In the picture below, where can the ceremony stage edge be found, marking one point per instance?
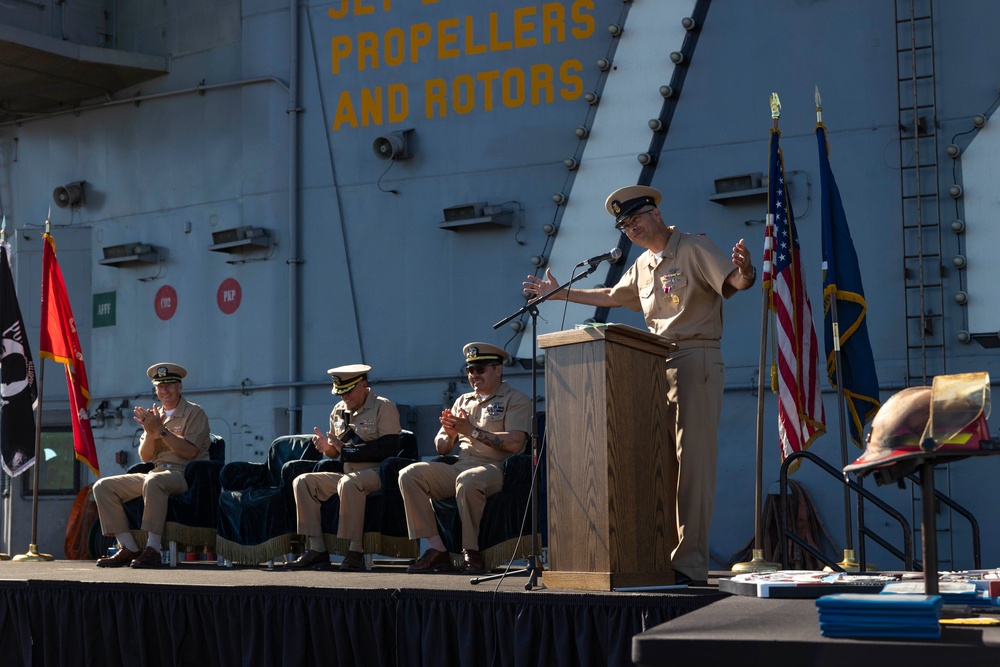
(65, 613)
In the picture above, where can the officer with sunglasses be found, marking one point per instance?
(487, 425)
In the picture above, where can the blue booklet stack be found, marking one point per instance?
(859, 615)
(951, 592)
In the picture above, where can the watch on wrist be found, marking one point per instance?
(476, 434)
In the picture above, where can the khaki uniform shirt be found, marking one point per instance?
(376, 417)
(505, 410)
(681, 292)
(187, 421)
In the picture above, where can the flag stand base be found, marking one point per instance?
(4, 557)
(33, 556)
(850, 563)
(756, 564)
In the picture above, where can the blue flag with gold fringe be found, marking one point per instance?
(842, 281)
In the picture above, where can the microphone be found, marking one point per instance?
(612, 256)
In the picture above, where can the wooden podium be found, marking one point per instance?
(611, 486)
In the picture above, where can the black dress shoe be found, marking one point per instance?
(473, 562)
(354, 561)
(682, 579)
(149, 559)
(120, 559)
(432, 561)
(316, 560)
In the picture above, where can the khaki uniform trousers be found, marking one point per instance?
(313, 488)
(471, 480)
(695, 382)
(155, 487)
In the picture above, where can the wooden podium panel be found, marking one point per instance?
(611, 486)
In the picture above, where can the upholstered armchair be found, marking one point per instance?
(192, 516)
(256, 505)
(503, 516)
(385, 519)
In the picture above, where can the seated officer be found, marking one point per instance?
(364, 429)
(488, 424)
(173, 434)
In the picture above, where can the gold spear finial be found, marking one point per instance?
(47, 216)
(775, 106)
(819, 107)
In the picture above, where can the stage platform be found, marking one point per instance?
(755, 632)
(64, 613)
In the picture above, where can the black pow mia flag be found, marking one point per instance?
(18, 390)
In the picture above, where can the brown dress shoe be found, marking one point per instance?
(148, 559)
(432, 561)
(354, 560)
(310, 559)
(120, 559)
(473, 562)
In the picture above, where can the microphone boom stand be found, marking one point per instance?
(533, 568)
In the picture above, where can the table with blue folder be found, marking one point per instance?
(749, 631)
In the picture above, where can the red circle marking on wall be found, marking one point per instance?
(165, 302)
(229, 296)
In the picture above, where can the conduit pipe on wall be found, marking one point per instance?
(294, 261)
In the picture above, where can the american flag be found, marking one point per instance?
(800, 404)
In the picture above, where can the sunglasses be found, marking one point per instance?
(478, 369)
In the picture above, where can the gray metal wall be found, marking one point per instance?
(372, 277)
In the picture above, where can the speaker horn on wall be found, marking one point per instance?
(393, 146)
(69, 195)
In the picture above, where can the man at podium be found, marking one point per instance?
(679, 283)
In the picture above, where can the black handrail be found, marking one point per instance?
(976, 554)
(906, 556)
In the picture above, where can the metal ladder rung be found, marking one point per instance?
(924, 226)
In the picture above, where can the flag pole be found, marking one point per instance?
(3, 238)
(33, 555)
(757, 562)
(850, 562)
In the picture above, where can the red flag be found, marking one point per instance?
(60, 342)
(800, 405)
